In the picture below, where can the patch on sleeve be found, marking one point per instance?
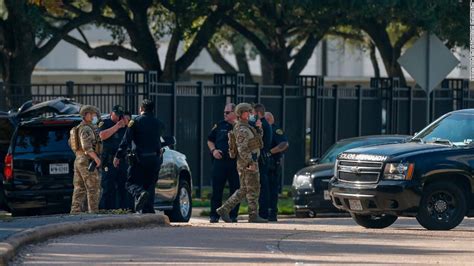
(130, 124)
(214, 127)
(240, 139)
(279, 132)
(101, 124)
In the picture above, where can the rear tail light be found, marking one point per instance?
(8, 169)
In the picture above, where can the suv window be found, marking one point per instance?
(42, 139)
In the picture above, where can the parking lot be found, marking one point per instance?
(290, 241)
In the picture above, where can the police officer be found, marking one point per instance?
(86, 145)
(111, 132)
(224, 168)
(143, 136)
(259, 117)
(279, 146)
(248, 142)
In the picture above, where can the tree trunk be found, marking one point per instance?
(280, 70)
(242, 62)
(373, 59)
(267, 71)
(17, 82)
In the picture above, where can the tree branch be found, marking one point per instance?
(305, 53)
(41, 52)
(108, 52)
(406, 36)
(219, 59)
(261, 47)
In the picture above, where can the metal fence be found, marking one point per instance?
(312, 115)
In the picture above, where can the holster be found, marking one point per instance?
(132, 158)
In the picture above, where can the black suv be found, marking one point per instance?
(38, 170)
(310, 184)
(429, 177)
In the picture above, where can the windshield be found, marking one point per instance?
(458, 128)
(336, 149)
(42, 139)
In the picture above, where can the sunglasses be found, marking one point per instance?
(227, 112)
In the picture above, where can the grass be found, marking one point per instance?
(285, 202)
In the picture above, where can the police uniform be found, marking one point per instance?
(86, 183)
(114, 194)
(274, 172)
(143, 136)
(223, 170)
(264, 199)
(249, 143)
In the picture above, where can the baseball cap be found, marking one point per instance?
(118, 110)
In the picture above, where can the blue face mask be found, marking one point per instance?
(95, 120)
(253, 118)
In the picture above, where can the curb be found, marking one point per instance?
(10, 246)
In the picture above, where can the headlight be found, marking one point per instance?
(302, 181)
(398, 171)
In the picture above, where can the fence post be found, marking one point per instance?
(359, 110)
(259, 93)
(70, 89)
(175, 107)
(336, 112)
(200, 137)
(316, 124)
(410, 109)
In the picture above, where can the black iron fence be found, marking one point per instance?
(312, 115)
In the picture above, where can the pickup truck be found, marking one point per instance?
(430, 177)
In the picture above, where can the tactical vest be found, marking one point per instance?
(75, 142)
(256, 143)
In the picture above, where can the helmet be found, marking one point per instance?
(88, 109)
(242, 107)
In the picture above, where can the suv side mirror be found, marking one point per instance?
(313, 161)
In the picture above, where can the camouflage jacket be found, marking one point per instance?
(249, 142)
(89, 138)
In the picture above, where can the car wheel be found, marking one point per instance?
(442, 207)
(182, 205)
(302, 214)
(374, 221)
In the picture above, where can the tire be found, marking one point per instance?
(182, 204)
(442, 207)
(374, 221)
(302, 214)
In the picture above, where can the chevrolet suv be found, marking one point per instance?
(429, 177)
(38, 167)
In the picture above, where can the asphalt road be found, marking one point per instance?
(290, 241)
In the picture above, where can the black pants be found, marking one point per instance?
(114, 193)
(142, 177)
(264, 198)
(224, 170)
(274, 182)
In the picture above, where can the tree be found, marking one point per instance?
(144, 22)
(29, 30)
(283, 32)
(393, 24)
(232, 42)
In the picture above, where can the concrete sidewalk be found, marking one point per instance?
(18, 232)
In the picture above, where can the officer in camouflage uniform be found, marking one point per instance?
(249, 143)
(86, 183)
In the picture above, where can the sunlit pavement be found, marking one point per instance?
(290, 241)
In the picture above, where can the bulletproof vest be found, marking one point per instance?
(75, 142)
(255, 143)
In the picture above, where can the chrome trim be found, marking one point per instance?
(353, 168)
(350, 195)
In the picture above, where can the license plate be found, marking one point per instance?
(58, 168)
(355, 205)
(326, 195)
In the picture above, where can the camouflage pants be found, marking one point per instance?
(249, 188)
(86, 187)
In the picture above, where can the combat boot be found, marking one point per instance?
(255, 218)
(224, 215)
